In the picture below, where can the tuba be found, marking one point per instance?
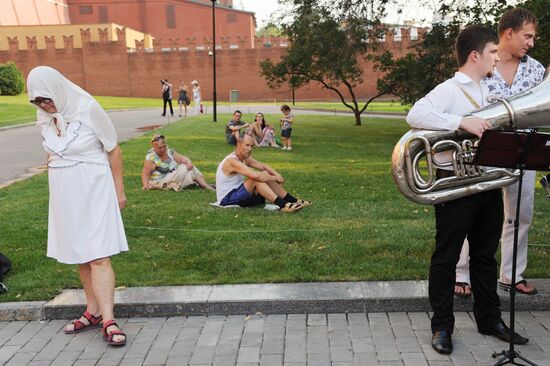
(414, 165)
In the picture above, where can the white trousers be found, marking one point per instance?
(507, 239)
(178, 179)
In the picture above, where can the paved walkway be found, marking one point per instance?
(354, 339)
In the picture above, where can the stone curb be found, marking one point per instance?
(290, 298)
(25, 310)
(12, 127)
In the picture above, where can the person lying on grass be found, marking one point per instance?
(262, 182)
(164, 168)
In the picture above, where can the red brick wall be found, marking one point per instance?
(192, 20)
(105, 68)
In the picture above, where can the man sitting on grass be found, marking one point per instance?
(263, 182)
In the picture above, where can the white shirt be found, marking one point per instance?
(225, 183)
(80, 143)
(444, 106)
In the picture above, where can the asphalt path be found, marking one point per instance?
(22, 154)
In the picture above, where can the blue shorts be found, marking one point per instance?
(286, 133)
(240, 196)
(232, 140)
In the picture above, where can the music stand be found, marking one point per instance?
(519, 150)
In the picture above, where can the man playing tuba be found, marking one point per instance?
(515, 73)
(477, 217)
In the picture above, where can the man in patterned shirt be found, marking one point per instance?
(515, 73)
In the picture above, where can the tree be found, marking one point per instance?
(11, 80)
(330, 41)
(407, 77)
(540, 8)
(269, 30)
(432, 60)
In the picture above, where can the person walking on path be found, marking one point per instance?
(167, 97)
(197, 97)
(515, 73)
(183, 98)
(86, 192)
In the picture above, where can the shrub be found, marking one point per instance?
(11, 80)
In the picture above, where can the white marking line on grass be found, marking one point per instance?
(226, 231)
(211, 231)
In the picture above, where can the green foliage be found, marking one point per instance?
(328, 42)
(269, 30)
(11, 80)
(541, 9)
(432, 60)
(414, 75)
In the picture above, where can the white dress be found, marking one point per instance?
(84, 220)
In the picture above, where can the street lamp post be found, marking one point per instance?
(214, 96)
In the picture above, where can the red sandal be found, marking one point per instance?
(108, 337)
(79, 326)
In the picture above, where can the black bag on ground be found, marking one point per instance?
(5, 266)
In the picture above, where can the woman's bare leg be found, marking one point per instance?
(103, 285)
(202, 182)
(92, 306)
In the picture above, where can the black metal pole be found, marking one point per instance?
(214, 96)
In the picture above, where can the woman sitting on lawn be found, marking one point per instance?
(164, 168)
(263, 134)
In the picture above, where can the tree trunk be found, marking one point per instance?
(357, 117)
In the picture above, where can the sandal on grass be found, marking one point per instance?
(108, 336)
(291, 207)
(304, 203)
(87, 321)
(526, 290)
(464, 286)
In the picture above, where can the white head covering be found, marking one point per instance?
(71, 101)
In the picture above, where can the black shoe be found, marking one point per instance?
(442, 343)
(502, 332)
(164, 115)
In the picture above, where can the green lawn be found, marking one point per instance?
(385, 107)
(17, 109)
(359, 227)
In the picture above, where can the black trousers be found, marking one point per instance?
(479, 218)
(169, 101)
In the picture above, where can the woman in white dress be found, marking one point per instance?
(86, 192)
(197, 97)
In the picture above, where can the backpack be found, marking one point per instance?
(5, 266)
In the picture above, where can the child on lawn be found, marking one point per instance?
(286, 127)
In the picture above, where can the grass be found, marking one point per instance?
(359, 228)
(385, 107)
(15, 110)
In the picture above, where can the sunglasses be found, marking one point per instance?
(39, 100)
(157, 138)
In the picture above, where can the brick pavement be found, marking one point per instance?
(354, 339)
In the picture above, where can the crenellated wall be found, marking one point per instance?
(107, 67)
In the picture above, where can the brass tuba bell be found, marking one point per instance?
(414, 167)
